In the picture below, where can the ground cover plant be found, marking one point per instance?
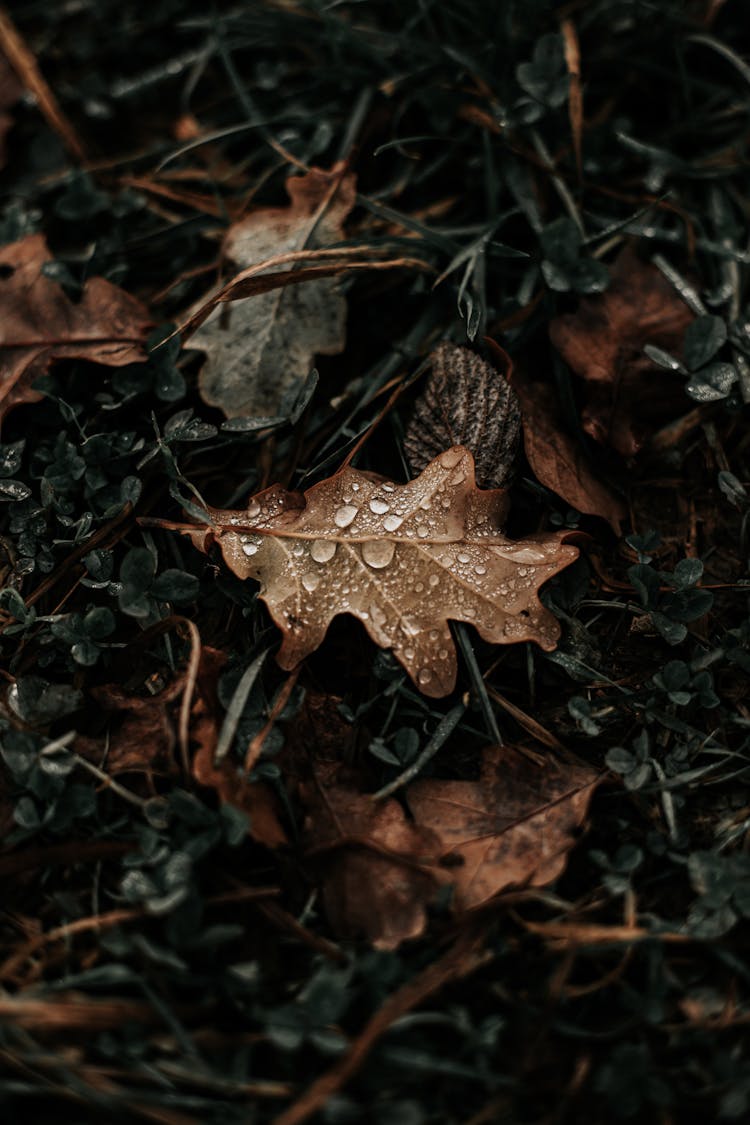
(374, 464)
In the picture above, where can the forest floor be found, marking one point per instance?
(374, 723)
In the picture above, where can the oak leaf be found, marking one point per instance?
(558, 460)
(603, 342)
(377, 879)
(512, 828)
(466, 401)
(381, 870)
(257, 353)
(39, 324)
(403, 559)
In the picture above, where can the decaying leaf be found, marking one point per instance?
(512, 828)
(465, 401)
(140, 733)
(404, 559)
(603, 342)
(557, 460)
(377, 879)
(260, 350)
(39, 324)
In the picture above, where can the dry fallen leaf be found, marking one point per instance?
(140, 734)
(404, 559)
(512, 828)
(557, 460)
(377, 880)
(261, 349)
(603, 342)
(465, 401)
(39, 324)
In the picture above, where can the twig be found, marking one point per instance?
(462, 959)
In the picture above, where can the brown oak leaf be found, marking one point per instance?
(39, 324)
(263, 348)
(466, 401)
(377, 878)
(405, 559)
(603, 342)
(558, 460)
(512, 828)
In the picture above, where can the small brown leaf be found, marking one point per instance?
(557, 460)
(375, 883)
(265, 346)
(39, 324)
(404, 559)
(512, 828)
(465, 401)
(603, 342)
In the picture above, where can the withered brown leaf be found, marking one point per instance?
(512, 828)
(39, 324)
(405, 559)
(465, 401)
(376, 879)
(603, 343)
(556, 458)
(260, 349)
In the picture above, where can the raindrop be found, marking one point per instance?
(423, 531)
(443, 654)
(298, 550)
(355, 487)
(411, 626)
(434, 580)
(409, 653)
(323, 549)
(480, 569)
(450, 458)
(425, 675)
(392, 523)
(426, 504)
(419, 588)
(388, 487)
(526, 555)
(253, 508)
(378, 553)
(378, 506)
(342, 517)
(462, 557)
(250, 548)
(434, 635)
(311, 581)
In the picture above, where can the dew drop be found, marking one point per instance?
(434, 580)
(392, 523)
(355, 487)
(253, 508)
(411, 626)
(250, 548)
(388, 487)
(409, 653)
(480, 569)
(343, 516)
(323, 549)
(378, 506)
(423, 531)
(378, 553)
(462, 557)
(419, 588)
(526, 555)
(425, 675)
(378, 616)
(450, 458)
(298, 550)
(426, 504)
(443, 654)
(311, 581)
(434, 635)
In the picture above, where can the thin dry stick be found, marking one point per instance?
(20, 57)
(115, 918)
(575, 95)
(463, 958)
